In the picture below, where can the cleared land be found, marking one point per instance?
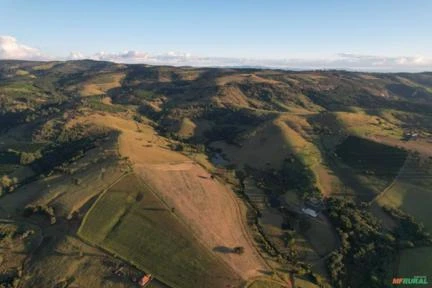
(206, 206)
(266, 284)
(369, 167)
(411, 192)
(203, 202)
(101, 84)
(417, 261)
(129, 221)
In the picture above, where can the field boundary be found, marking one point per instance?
(106, 250)
(183, 223)
(390, 186)
(239, 214)
(140, 267)
(98, 198)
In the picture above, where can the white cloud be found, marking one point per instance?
(75, 55)
(340, 61)
(123, 57)
(372, 62)
(10, 48)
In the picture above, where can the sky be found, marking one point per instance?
(391, 35)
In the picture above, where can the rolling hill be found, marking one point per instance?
(211, 177)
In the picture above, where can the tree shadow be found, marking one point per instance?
(223, 249)
(264, 272)
(154, 209)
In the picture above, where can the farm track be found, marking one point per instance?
(194, 198)
(390, 186)
(201, 202)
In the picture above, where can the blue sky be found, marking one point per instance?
(303, 30)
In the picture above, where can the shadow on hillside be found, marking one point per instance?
(223, 249)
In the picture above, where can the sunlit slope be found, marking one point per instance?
(130, 221)
(205, 205)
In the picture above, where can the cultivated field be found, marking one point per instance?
(202, 202)
(129, 221)
(367, 167)
(208, 207)
(411, 192)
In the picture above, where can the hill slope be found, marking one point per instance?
(230, 159)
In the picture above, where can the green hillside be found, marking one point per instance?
(277, 142)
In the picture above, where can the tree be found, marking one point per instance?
(6, 181)
(238, 250)
(27, 157)
(7, 184)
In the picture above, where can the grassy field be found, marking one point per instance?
(65, 261)
(301, 283)
(365, 125)
(186, 129)
(266, 284)
(412, 194)
(99, 104)
(130, 222)
(321, 236)
(417, 261)
(101, 84)
(372, 158)
(367, 167)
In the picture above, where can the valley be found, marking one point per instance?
(212, 177)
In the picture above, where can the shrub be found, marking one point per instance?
(238, 250)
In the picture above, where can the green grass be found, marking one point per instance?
(24, 146)
(129, 221)
(412, 192)
(301, 283)
(103, 79)
(265, 284)
(322, 237)
(9, 162)
(368, 156)
(94, 102)
(7, 157)
(416, 261)
(367, 167)
(8, 168)
(145, 94)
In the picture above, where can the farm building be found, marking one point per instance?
(146, 279)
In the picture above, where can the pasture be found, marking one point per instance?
(417, 261)
(411, 191)
(100, 84)
(367, 167)
(262, 283)
(130, 222)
